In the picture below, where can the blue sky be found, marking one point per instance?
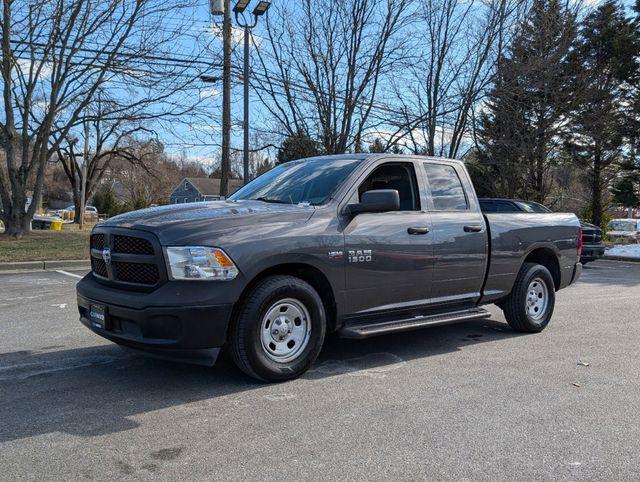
(200, 139)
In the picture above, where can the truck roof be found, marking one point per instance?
(366, 156)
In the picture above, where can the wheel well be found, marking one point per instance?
(547, 258)
(311, 275)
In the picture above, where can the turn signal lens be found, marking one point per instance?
(222, 258)
(199, 262)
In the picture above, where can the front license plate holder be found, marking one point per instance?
(98, 316)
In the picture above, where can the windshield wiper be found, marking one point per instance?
(271, 200)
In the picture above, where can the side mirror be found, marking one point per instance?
(376, 201)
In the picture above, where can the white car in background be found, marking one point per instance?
(90, 212)
(624, 228)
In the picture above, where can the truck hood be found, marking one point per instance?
(198, 223)
(588, 226)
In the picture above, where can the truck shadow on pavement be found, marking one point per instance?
(95, 390)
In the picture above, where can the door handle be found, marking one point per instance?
(473, 229)
(417, 230)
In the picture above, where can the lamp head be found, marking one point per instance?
(261, 8)
(241, 6)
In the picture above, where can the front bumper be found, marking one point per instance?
(591, 252)
(191, 333)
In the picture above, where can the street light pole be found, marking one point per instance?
(245, 156)
(226, 101)
(260, 10)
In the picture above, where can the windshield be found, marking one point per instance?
(621, 225)
(308, 182)
(532, 207)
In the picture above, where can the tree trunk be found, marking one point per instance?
(596, 195)
(17, 223)
(76, 204)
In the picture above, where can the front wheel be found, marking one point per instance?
(279, 329)
(530, 305)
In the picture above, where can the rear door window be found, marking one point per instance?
(446, 188)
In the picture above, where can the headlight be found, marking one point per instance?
(200, 262)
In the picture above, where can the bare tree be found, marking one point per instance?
(150, 179)
(322, 63)
(110, 144)
(56, 56)
(458, 43)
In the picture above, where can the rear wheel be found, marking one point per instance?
(279, 330)
(530, 305)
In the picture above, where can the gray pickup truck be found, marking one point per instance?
(360, 245)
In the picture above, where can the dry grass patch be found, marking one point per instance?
(70, 243)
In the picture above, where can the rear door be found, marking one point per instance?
(389, 255)
(459, 234)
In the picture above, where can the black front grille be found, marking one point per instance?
(99, 267)
(144, 274)
(131, 245)
(591, 237)
(97, 241)
(125, 256)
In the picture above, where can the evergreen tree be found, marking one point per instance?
(298, 146)
(500, 155)
(527, 108)
(377, 146)
(607, 53)
(626, 191)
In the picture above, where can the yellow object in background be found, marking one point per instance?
(55, 226)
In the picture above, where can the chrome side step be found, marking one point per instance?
(362, 330)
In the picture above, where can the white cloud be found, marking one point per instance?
(210, 129)
(237, 35)
(209, 92)
(23, 65)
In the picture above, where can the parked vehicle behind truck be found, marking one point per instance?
(361, 245)
(625, 228)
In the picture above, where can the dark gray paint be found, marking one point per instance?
(445, 267)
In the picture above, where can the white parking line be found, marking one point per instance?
(68, 274)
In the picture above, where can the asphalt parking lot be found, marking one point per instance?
(467, 401)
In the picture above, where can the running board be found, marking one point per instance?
(381, 328)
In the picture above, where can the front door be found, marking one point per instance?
(389, 255)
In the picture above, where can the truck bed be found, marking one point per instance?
(515, 236)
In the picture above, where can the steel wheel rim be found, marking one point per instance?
(285, 330)
(537, 300)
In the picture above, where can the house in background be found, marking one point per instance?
(197, 189)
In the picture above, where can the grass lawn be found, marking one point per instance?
(70, 243)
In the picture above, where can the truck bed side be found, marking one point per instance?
(516, 236)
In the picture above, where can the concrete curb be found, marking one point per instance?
(621, 258)
(44, 265)
(69, 264)
(22, 265)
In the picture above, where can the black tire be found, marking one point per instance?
(245, 336)
(515, 306)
